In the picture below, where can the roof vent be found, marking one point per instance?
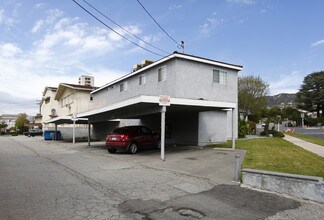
(143, 64)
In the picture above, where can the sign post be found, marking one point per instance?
(74, 118)
(163, 101)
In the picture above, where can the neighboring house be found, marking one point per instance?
(9, 119)
(48, 105)
(203, 100)
(66, 102)
(34, 122)
(73, 98)
(38, 118)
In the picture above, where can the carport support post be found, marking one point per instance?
(89, 125)
(73, 132)
(233, 133)
(55, 132)
(163, 132)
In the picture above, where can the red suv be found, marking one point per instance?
(130, 138)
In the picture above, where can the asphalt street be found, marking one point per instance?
(59, 180)
(313, 132)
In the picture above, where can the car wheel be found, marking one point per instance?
(132, 148)
(112, 150)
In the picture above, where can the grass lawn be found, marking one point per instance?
(307, 138)
(276, 154)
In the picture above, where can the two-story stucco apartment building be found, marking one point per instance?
(203, 98)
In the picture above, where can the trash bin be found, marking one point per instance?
(49, 135)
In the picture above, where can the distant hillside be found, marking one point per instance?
(282, 99)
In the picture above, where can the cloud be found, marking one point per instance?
(317, 43)
(9, 50)
(6, 19)
(174, 7)
(53, 14)
(40, 5)
(289, 83)
(245, 2)
(13, 104)
(73, 39)
(210, 24)
(60, 52)
(38, 25)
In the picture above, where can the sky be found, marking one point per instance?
(44, 43)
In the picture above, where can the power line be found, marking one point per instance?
(94, 8)
(114, 30)
(158, 24)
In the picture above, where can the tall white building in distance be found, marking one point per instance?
(86, 80)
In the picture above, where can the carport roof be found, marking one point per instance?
(144, 100)
(66, 120)
(142, 103)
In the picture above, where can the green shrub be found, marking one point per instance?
(314, 121)
(277, 134)
(252, 127)
(14, 133)
(274, 133)
(243, 128)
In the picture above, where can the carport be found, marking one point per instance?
(144, 106)
(73, 119)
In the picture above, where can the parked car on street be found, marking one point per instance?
(33, 132)
(131, 138)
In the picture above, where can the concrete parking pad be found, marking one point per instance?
(60, 180)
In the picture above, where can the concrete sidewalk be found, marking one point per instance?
(315, 148)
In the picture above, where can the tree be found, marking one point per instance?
(271, 115)
(291, 114)
(3, 125)
(310, 96)
(21, 121)
(252, 91)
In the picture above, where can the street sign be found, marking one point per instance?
(74, 117)
(164, 100)
(302, 115)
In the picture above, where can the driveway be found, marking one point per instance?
(59, 180)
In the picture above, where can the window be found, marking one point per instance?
(162, 74)
(142, 80)
(66, 101)
(123, 86)
(47, 100)
(219, 76)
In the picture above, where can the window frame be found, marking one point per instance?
(220, 76)
(162, 77)
(142, 79)
(123, 86)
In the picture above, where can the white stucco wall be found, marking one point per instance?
(212, 127)
(185, 79)
(46, 108)
(80, 102)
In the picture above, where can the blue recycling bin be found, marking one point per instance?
(49, 135)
